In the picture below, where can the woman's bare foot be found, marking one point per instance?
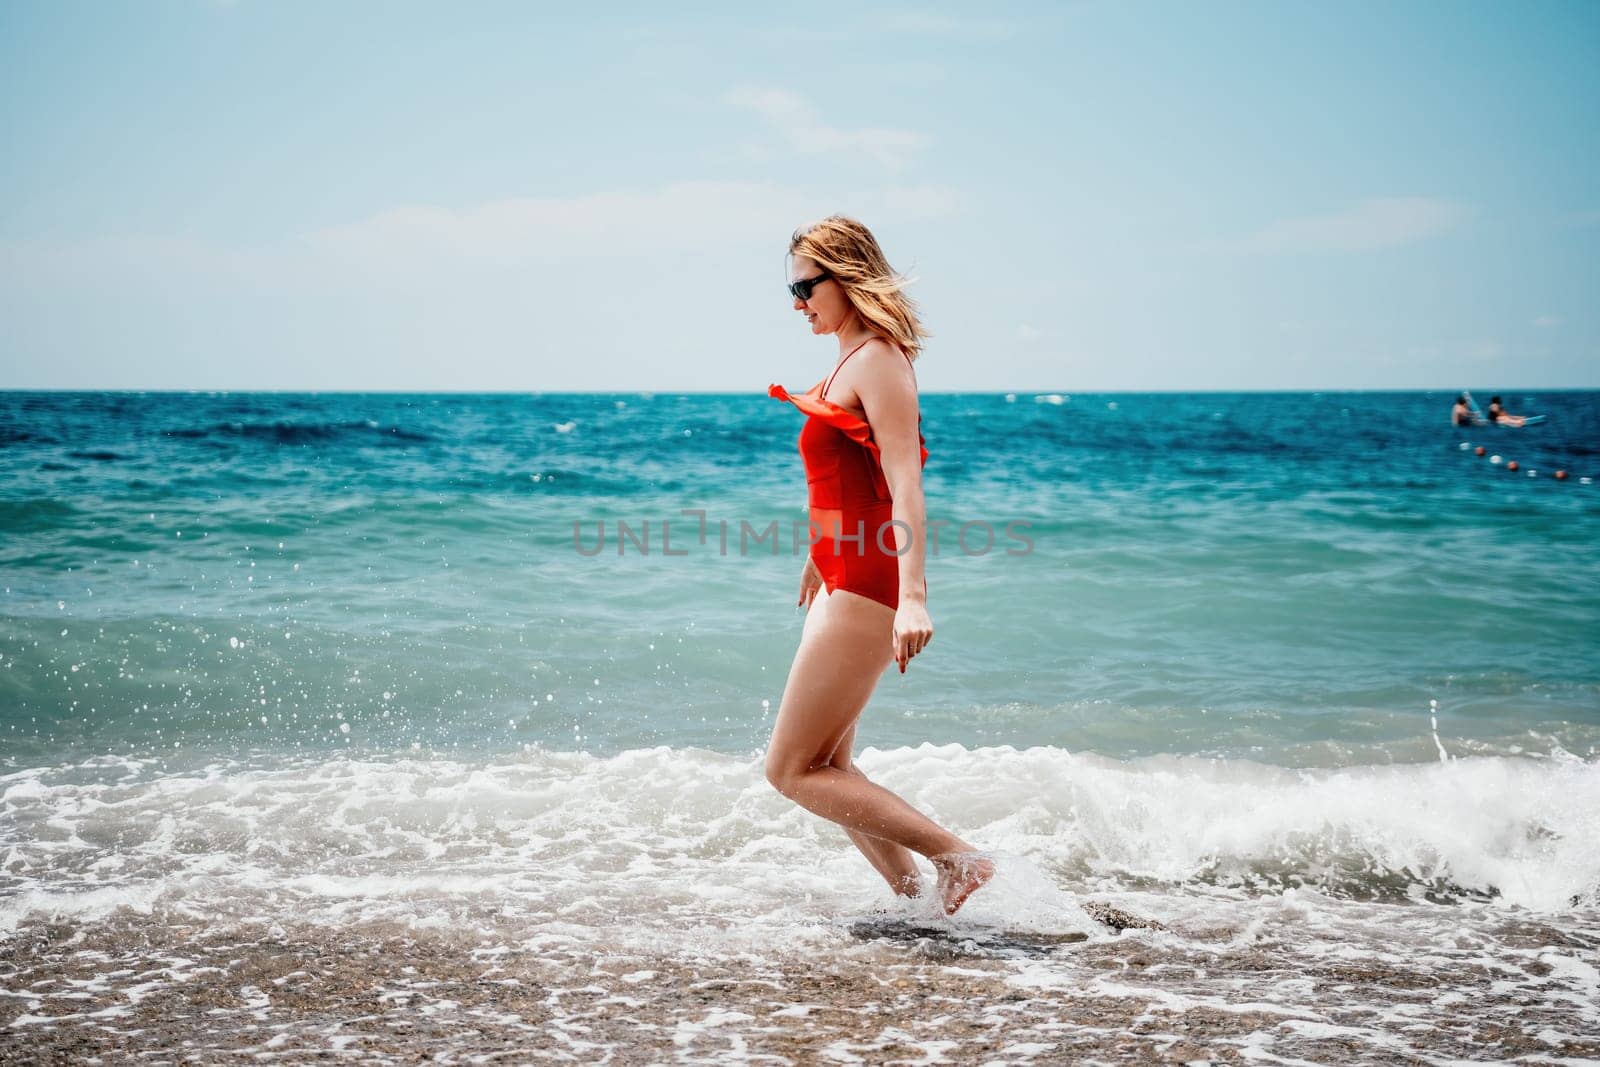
(960, 875)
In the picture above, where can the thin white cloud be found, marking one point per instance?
(593, 226)
(936, 24)
(622, 227)
(1545, 322)
(896, 25)
(1364, 227)
(1485, 350)
(910, 74)
(801, 126)
(1026, 332)
(683, 217)
(800, 36)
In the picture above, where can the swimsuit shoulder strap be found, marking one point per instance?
(842, 362)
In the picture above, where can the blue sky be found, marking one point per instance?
(1092, 196)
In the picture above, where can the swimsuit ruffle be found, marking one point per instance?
(846, 421)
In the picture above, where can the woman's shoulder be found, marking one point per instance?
(880, 365)
(884, 351)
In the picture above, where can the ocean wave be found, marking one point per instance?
(591, 837)
(35, 514)
(279, 432)
(565, 480)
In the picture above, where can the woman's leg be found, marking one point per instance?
(843, 651)
(887, 858)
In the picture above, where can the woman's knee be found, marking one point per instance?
(784, 772)
(781, 772)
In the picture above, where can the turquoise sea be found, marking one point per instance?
(1302, 676)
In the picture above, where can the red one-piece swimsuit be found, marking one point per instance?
(853, 541)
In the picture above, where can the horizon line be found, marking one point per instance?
(1264, 391)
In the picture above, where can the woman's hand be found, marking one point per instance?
(912, 631)
(810, 582)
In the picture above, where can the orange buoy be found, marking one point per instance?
(1511, 466)
(1478, 451)
(1561, 476)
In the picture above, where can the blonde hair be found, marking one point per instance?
(847, 250)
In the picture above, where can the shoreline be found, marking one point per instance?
(128, 987)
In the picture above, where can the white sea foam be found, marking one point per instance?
(664, 832)
(663, 841)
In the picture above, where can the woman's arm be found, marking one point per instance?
(888, 391)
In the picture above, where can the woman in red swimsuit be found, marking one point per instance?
(863, 581)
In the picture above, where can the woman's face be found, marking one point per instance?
(828, 309)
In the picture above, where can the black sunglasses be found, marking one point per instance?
(802, 289)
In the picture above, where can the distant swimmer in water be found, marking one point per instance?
(865, 592)
(1500, 417)
(1463, 413)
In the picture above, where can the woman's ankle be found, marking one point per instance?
(907, 885)
(950, 857)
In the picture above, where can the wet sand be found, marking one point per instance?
(130, 988)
